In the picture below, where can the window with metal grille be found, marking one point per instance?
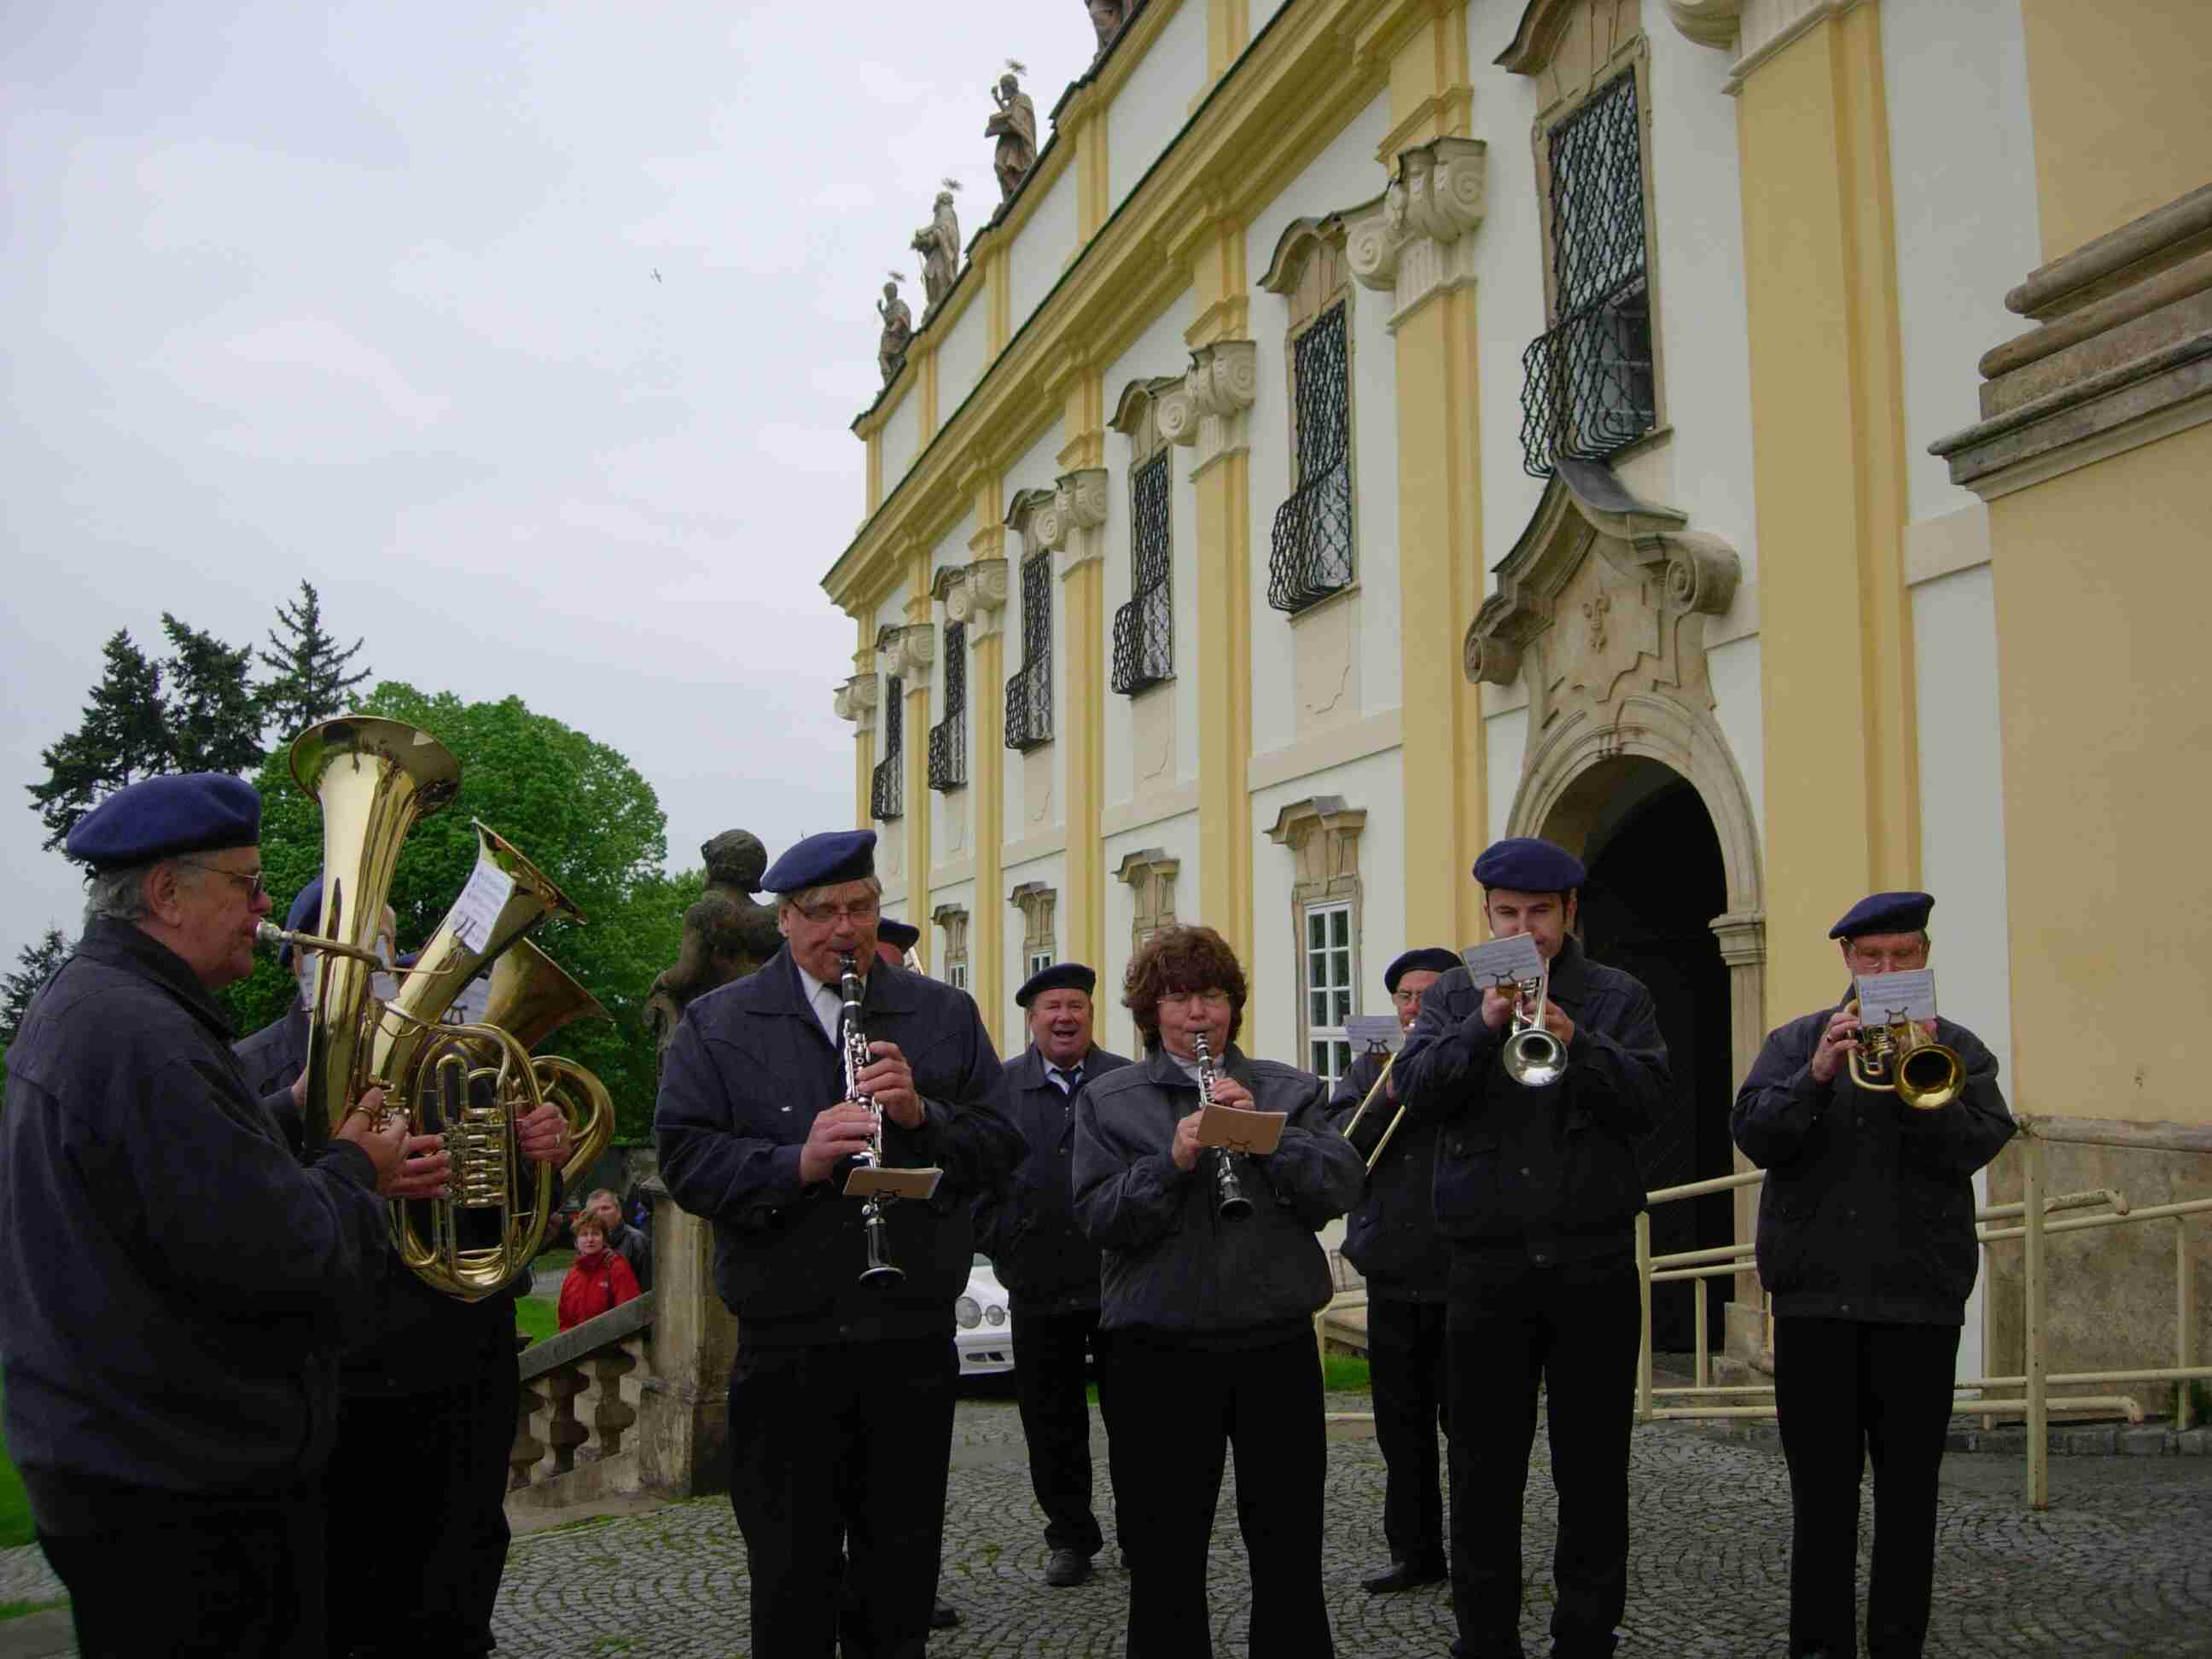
(1329, 990)
(887, 795)
(948, 739)
(1311, 555)
(1589, 389)
(1029, 694)
(1143, 629)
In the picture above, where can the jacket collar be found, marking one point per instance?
(886, 990)
(1033, 1065)
(123, 945)
(1162, 1068)
(1570, 969)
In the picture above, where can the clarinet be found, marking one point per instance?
(879, 1269)
(1228, 1199)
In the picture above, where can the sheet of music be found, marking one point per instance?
(1365, 1032)
(1912, 993)
(478, 907)
(1516, 958)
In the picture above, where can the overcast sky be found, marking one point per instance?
(363, 294)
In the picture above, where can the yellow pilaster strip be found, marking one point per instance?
(864, 729)
(986, 772)
(875, 470)
(1228, 29)
(1843, 810)
(926, 366)
(1083, 742)
(918, 801)
(999, 297)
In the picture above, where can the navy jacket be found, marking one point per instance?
(1172, 1266)
(1391, 1236)
(1539, 1176)
(1028, 1228)
(177, 1282)
(746, 1073)
(409, 1338)
(1868, 1210)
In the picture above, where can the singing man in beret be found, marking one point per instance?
(842, 1394)
(1866, 1243)
(1392, 1238)
(1050, 1270)
(178, 1283)
(1538, 1187)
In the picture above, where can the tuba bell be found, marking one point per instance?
(1892, 1056)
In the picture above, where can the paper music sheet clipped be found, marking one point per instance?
(1365, 1032)
(1517, 958)
(864, 1181)
(1241, 1130)
(478, 907)
(1883, 996)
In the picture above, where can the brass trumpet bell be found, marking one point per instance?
(1893, 1057)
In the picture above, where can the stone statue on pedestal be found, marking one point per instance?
(1014, 125)
(726, 934)
(938, 244)
(898, 330)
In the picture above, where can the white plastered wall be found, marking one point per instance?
(1042, 250)
(901, 439)
(1178, 838)
(965, 354)
(1155, 101)
(1052, 871)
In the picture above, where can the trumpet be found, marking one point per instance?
(1893, 1057)
(880, 1269)
(1382, 1078)
(1534, 1057)
(1230, 1202)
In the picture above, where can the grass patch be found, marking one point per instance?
(534, 1319)
(1345, 1373)
(15, 1525)
(24, 1609)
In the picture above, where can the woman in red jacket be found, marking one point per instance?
(600, 1281)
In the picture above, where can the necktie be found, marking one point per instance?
(1069, 1082)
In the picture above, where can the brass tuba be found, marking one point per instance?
(472, 1084)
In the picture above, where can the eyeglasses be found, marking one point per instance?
(1210, 1000)
(860, 911)
(254, 889)
(1903, 960)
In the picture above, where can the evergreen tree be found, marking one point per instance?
(311, 679)
(123, 737)
(35, 966)
(215, 714)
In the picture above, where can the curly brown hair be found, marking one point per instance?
(1181, 959)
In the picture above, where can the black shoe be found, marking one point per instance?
(1067, 1567)
(944, 1616)
(1404, 1575)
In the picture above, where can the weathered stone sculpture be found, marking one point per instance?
(1107, 17)
(726, 934)
(1014, 125)
(898, 330)
(938, 244)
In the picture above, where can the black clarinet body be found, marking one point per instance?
(880, 1269)
(1229, 1201)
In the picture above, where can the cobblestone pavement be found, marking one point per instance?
(2121, 1565)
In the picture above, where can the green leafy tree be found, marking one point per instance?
(34, 966)
(214, 712)
(576, 808)
(309, 679)
(122, 737)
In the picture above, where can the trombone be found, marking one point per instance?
(1534, 1057)
(1381, 1078)
(1898, 1060)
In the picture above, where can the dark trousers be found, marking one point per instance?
(1406, 1362)
(416, 1501)
(1574, 1330)
(837, 1448)
(1846, 1390)
(1195, 1403)
(1049, 1382)
(217, 1577)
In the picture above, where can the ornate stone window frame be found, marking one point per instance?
(953, 919)
(1028, 723)
(1323, 834)
(1150, 875)
(1039, 905)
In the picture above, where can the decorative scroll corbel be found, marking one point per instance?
(1208, 411)
(855, 701)
(1709, 22)
(1416, 241)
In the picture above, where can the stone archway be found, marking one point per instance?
(1600, 610)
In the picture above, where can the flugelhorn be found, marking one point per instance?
(1892, 1056)
(1228, 1199)
(1534, 1057)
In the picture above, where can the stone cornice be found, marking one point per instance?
(1765, 27)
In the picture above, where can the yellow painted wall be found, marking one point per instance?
(2101, 601)
(2118, 92)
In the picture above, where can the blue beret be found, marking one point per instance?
(1885, 913)
(898, 934)
(1060, 976)
(306, 915)
(1529, 865)
(824, 860)
(1432, 959)
(159, 817)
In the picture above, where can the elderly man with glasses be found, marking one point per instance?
(842, 1395)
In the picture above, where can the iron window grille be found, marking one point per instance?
(1029, 693)
(1589, 389)
(948, 739)
(887, 793)
(1143, 629)
(1311, 555)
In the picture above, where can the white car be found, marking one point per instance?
(982, 1326)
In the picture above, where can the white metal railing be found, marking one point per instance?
(1702, 1399)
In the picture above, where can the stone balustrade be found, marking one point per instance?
(575, 1438)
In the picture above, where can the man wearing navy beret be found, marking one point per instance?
(894, 939)
(1392, 1239)
(1050, 1270)
(171, 1384)
(1538, 1187)
(1866, 1244)
(842, 1395)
